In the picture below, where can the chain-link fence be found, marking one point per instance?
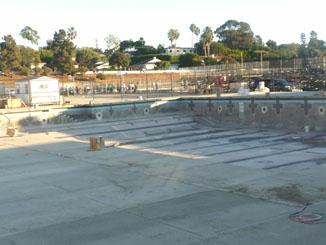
(142, 85)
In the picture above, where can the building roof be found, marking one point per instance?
(37, 78)
(177, 48)
(102, 65)
(153, 60)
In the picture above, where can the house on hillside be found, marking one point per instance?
(149, 64)
(37, 66)
(178, 51)
(102, 66)
(38, 90)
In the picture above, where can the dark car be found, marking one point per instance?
(272, 84)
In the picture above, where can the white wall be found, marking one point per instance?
(21, 91)
(43, 90)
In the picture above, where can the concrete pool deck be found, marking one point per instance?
(172, 178)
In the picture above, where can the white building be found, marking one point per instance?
(37, 66)
(146, 65)
(100, 66)
(178, 51)
(38, 90)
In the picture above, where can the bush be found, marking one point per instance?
(82, 69)
(100, 76)
(163, 65)
(164, 57)
(174, 59)
(210, 61)
(189, 59)
(24, 71)
(46, 71)
(37, 71)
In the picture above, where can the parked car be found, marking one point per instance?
(272, 84)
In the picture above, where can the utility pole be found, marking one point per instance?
(120, 74)
(146, 85)
(171, 78)
(241, 63)
(121, 82)
(261, 59)
(93, 95)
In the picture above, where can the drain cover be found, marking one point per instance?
(309, 218)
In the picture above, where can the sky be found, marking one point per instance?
(279, 20)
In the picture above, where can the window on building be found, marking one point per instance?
(43, 86)
(26, 88)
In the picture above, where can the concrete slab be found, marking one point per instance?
(53, 190)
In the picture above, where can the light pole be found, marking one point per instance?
(146, 80)
(93, 90)
(241, 64)
(120, 74)
(261, 58)
(146, 84)
(171, 77)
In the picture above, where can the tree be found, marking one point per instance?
(72, 33)
(314, 42)
(120, 59)
(28, 57)
(160, 49)
(63, 50)
(271, 44)
(303, 39)
(137, 48)
(145, 50)
(303, 51)
(187, 60)
(46, 55)
(313, 35)
(140, 43)
(258, 42)
(236, 35)
(197, 32)
(173, 36)
(289, 51)
(316, 47)
(112, 44)
(207, 38)
(126, 44)
(87, 57)
(192, 28)
(30, 34)
(9, 55)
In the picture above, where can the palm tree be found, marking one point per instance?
(207, 38)
(173, 35)
(192, 28)
(197, 32)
